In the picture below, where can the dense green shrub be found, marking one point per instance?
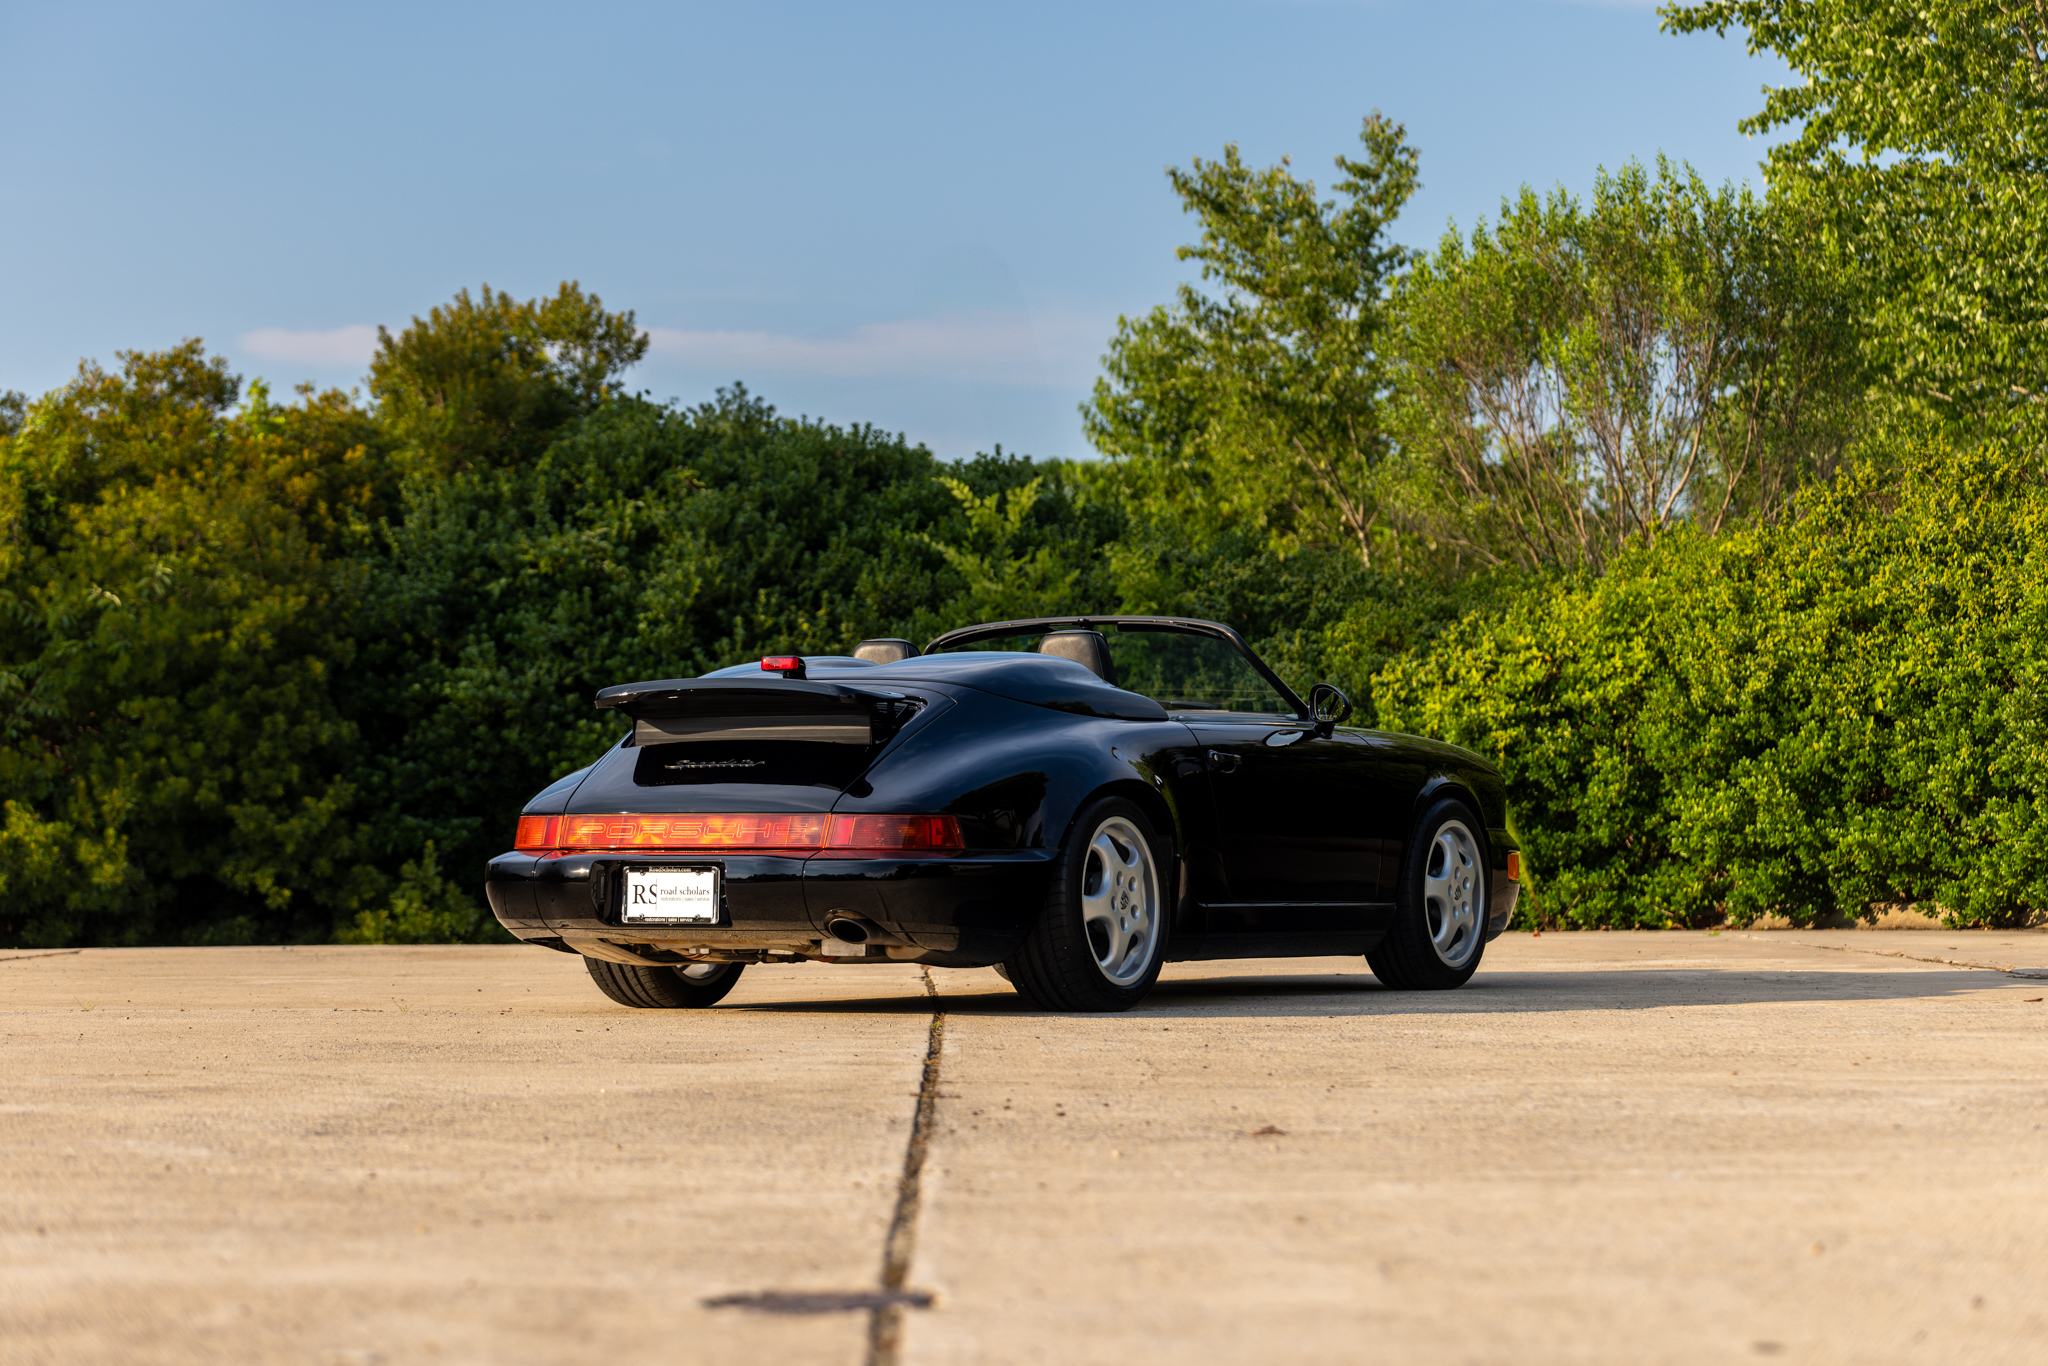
(176, 588)
(1799, 721)
(288, 673)
(1315, 615)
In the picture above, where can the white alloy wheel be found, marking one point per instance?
(1451, 904)
(703, 972)
(1120, 901)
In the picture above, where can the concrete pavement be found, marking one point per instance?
(1608, 1147)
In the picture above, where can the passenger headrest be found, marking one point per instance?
(885, 651)
(1086, 648)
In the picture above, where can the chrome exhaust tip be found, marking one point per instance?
(852, 929)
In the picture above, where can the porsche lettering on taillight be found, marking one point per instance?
(803, 830)
(801, 833)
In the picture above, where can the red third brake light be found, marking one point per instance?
(801, 833)
(789, 666)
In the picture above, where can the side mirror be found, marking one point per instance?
(1328, 706)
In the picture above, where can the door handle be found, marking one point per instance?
(1222, 762)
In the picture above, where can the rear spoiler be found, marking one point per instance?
(697, 710)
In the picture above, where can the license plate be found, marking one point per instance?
(669, 896)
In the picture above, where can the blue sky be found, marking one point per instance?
(921, 216)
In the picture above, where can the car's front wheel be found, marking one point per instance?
(1101, 937)
(653, 987)
(1439, 928)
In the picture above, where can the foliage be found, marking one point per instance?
(289, 671)
(1259, 405)
(1920, 143)
(1314, 615)
(1800, 720)
(171, 579)
(1570, 490)
(487, 381)
(1578, 376)
(1032, 546)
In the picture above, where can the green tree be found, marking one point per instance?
(175, 592)
(1919, 139)
(485, 381)
(1037, 540)
(287, 671)
(1259, 405)
(1579, 376)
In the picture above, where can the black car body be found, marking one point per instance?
(790, 790)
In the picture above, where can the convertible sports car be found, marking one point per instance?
(1072, 801)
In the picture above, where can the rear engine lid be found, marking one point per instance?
(755, 744)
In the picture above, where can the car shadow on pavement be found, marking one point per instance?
(1510, 992)
(1507, 992)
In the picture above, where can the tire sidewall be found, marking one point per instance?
(1411, 925)
(653, 986)
(702, 994)
(1073, 869)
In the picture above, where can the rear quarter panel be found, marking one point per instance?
(1016, 776)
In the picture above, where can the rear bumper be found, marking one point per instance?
(965, 911)
(1500, 902)
(1502, 891)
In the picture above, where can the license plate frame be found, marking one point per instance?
(672, 894)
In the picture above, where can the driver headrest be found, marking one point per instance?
(884, 651)
(1086, 648)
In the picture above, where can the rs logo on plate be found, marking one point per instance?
(686, 896)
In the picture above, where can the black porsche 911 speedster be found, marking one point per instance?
(1072, 801)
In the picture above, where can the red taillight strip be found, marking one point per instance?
(834, 836)
(860, 836)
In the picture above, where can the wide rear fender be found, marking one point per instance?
(1016, 775)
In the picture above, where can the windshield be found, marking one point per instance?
(1180, 670)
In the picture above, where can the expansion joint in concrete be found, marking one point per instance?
(885, 1320)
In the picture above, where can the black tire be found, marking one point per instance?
(649, 986)
(1439, 931)
(1073, 962)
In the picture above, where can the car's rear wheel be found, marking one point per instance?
(1439, 929)
(1101, 937)
(653, 987)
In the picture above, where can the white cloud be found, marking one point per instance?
(1028, 348)
(1032, 348)
(331, 350)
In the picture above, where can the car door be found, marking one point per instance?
(1299, 829)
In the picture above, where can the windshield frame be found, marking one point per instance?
(1194, 626)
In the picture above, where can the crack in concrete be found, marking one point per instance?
(886, 1304)
(885, 1322)
(1900, 953)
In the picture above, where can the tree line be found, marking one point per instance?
(1714, 516)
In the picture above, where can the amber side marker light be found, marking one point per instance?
(535, 833)
(1514, 867)
(801, 833)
